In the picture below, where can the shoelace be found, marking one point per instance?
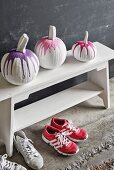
(70, 128)
(62, 139)
(28, 147)
(6, 164)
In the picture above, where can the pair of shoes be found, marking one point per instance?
(8, 165)
(31, 156)
(61, 134)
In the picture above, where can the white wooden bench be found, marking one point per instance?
(97, 84)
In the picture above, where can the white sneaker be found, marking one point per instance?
(31, 156)
(7, 165)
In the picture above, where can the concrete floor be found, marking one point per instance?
(91, 115)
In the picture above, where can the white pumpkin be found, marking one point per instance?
(51, 50)
(20, 65)
(84, 50)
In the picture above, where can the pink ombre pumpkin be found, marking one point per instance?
(20, 65)
(84, 50)
(51, 51)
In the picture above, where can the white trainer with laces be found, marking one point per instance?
(8, 165)
(31, 156)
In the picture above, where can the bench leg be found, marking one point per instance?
(101, 78)
(6, 124)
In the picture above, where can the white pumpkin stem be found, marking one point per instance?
(22, 43)
(52, 32)
(86, 37)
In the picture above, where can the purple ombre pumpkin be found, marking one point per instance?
(20, 65)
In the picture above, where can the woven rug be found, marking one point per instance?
(93, 159)
(98, 151)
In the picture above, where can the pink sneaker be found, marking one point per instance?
(59, 141)
(73, 133)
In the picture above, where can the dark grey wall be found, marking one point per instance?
(71, 17)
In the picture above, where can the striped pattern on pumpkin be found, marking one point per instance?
(20, 65)
(50, 50)
(19, 68)
(84, 50)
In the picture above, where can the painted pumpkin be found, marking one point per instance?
(84, 50)
(51, 50)
(20, 65)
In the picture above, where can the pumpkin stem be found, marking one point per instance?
(22, 43)
(86, 37)
(52, 32)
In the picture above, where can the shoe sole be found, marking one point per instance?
(75, 140)
(65, 154)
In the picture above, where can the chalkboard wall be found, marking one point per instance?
(71, 17)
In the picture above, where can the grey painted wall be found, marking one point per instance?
(71, 17)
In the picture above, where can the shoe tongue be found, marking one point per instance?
(19, 138)
(57, 131)
(65, 124)
(20, 135)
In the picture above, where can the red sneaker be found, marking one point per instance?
(59, 141)
(73, 133)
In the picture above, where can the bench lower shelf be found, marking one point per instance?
(53, 104)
